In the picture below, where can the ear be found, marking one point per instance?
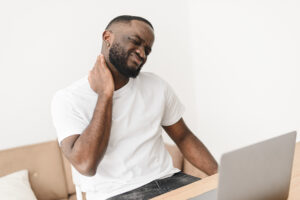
(107, 37)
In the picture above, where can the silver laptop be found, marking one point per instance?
(260, 171)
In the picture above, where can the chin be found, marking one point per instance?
(134, 75)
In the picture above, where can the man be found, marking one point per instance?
(109, 124)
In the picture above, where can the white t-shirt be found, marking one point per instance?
(135, 154)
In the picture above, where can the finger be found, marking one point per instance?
(89, 77)
(98, 61)
(103, 61)
(90, 74)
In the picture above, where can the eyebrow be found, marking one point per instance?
(149, 48)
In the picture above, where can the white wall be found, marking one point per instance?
(235, 65)
(46, 45)
(247, 66)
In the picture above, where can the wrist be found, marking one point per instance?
(105, 95)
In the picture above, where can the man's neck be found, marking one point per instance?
(119, 80)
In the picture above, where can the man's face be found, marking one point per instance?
(130, 48)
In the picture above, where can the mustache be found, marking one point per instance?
(133, 52)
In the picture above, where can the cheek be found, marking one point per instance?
(130, 52)
(131, 49)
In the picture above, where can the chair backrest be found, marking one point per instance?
(45, 165)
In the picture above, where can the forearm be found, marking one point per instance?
(197, 154)
(90, 146)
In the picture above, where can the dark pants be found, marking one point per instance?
(157, 187)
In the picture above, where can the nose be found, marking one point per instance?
(141, 52)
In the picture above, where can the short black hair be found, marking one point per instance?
(128, 19)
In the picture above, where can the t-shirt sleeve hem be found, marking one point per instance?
(67, 134)
(175, 118)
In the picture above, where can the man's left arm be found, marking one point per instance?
(192, 148)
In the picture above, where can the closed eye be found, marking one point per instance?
(138, 42)
(134, 41)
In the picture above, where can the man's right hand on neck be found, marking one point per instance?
(100, 78)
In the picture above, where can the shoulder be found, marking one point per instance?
(153, 79)
(75, 90)
(156, 82)
(60, 100)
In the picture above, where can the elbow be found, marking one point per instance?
(85, 165)
(88, 172)
(86, 169)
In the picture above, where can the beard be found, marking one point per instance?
(118, 57)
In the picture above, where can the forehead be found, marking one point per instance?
(135, 27)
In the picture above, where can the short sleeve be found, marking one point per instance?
(174, 109)
(67, 121)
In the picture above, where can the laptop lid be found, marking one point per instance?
(261, 171)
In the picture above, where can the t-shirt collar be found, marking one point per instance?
(119, 92)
